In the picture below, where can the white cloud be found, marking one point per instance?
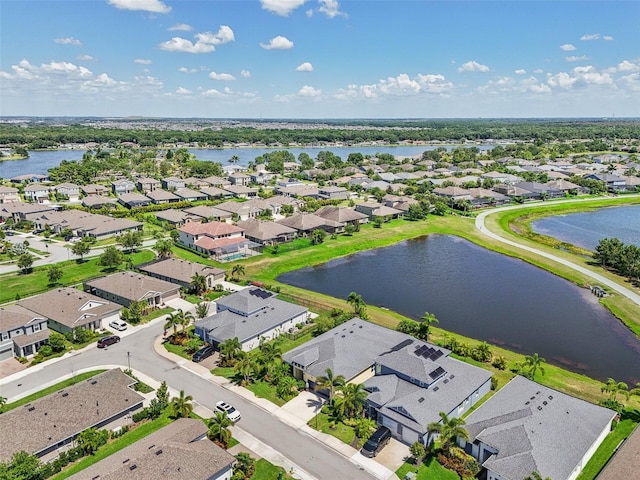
(183, 91)
(221, 76)
(520, 71)
(66, 68)
(304, 67)
(473, 66)
(180, 27)
(627, 66)
(153, 6)
(142, 61)
(191, 70)
(590, 75)
(576, 58)
(561, 80)
(68, 41)
(567, 47)
(205, 42)
(85, 57)
(399, 86)
(308, 91)
(538, 71)
(590, 36)
(281, 7)
(278, 43)
(331, 8)
(631, 82)
(607, 38)
(539, 88)
(213, 93)
(309, 13)
(245, 73)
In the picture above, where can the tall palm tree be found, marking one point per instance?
(198, 284)
(533, 364)
(330, 382)
(202, 310)
(164, 247)
(449, 429)
(89, 440)
(424, 327)
(358, 304)
(613, 388)
(219, 429)
(173, 320)
(355, 398)
(186, 319)
(237, 270)
(229, 348)
(181, 405)
(270, 357)
(245, 366)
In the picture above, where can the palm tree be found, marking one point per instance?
(182, 406)
(186, 319)
(449, 429)
(164, 247)
(229, 348)
(482, 352)
(245, 366)
(358, 304)
(287, 386)
(198, 284)
(613, 388)
(237, 270)
(219, 429)
(533, 363)
(355, 398)
(330, 382)
(270, 357)
(202, 309)
(424, 327)
(245, 464)
(173, 320)
(89, 440)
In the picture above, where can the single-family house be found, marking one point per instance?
(242, 210)
(214, 193)
(187, 194)
(181, 450)
(181, 272)
(68, 308)
(94, 189)
(614, 183)
(624, 463)
(36, 193)
(173, 183)
(50, 424)
(146, 184)
(132, 200)
(377, 210)
(241, 191)
(126, 287)
(215, 181)
(22, 332)
(98, 201)
(252, 315)
(68, 191)
(176, 217)
(120, 187)
(30, 178)
(23, 211)
(9, 195)
(305, 223)
(333, 193)
(159, 195)
(527, 427)
(238, 178)
(207, 213)
(266, 232)
(342, 215)
(216, 239)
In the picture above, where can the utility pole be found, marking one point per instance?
(129, 360)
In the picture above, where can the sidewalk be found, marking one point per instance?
(295, 413)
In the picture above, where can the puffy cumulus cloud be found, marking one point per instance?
(567, 47)
(142, 61)
(278, 43)
(561, 80)
(331, 8)
(630, 82)
(68, 41)
(629, 66)
(607, 38)
(153, 6)
(66, 68)
(221, 76)
(520, 71)
(590, 75)
(212, 92)
(281, 7)
(205, 42)
(473, 66)
(576, 58)
(538, 71)
(400, 85)
(180, 27)
(85, 58)
(245, 73)
(304, 67)
(539, 88)
(183, 91)
(308, 91)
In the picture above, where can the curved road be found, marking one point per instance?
(480, 225)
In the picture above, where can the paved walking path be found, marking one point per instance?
(602, 280)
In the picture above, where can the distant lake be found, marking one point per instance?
(40, 161)
(488, 296)
(586, 229)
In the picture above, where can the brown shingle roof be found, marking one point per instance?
(181, 270)
(132, 286)
(16, 316)
(210, 228)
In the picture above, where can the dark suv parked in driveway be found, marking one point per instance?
(203, 353)
(376, 442)
(106, 341)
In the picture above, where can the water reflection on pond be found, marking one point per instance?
(488, 296)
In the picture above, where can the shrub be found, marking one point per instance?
(45, 351)
(499, 362)
(494, 383)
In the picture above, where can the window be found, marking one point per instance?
(36, 327)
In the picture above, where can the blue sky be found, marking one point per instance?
(320, 58)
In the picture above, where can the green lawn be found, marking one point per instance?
(267, 391)
(52, 389)
(226, 372)
(342, 432)
(118, 444)
(430, 469)
(73, 274)
(266, 470)
(157, 313)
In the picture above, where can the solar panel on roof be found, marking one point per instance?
(438, 354)
(427, 352)
(420, 350)
(436, 373)
(401, 345)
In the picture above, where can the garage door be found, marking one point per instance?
(409, 436)
(7, 353)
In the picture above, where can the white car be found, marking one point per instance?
(119, 325)
(232, 413)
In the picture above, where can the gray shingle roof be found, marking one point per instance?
(15, 316)
(180, 270)
(347, 349)
(132, 286)
(175, 452)
(529, 424)
(45, 422)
